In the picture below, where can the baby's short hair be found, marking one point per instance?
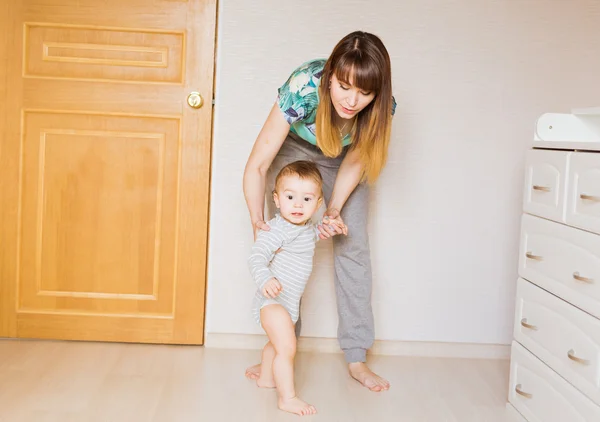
(304, 170)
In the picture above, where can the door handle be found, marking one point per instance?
(195, 100)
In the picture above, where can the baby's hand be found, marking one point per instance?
(272, 288)
(336, 222)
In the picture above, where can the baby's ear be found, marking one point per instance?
(276, 199)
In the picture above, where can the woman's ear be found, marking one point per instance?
(276, 199)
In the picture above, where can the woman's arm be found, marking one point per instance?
(347, 180)
(267, 145)
(348, 177)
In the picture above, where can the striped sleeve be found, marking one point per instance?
(263, 251)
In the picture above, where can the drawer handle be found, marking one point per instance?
(590, 197)
(577, 277)
(534, 257)
(541, 188)
(526, 325)
(523, 393)
(571, 355)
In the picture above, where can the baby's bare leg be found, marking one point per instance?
(265, 379)
(279, 327)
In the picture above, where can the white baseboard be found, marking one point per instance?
(381, 347)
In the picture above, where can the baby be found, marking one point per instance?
(281, 263)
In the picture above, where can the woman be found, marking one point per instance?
(338, 114)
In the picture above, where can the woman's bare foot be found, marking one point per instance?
(361, 373)
(253, 372)
(297, 406)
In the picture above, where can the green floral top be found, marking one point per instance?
(299, 97)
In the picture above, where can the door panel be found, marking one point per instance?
(90, 53)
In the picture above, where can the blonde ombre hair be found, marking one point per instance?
(360, 58)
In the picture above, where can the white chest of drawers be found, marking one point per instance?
(555, 358)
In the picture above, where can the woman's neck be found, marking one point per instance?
(340, 121)
(343, 125)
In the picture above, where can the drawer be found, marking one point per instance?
(562, 336)
(545, 183)
(583, 191)
(540, 395)
(563, 260)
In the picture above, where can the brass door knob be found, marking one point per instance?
(195, 100)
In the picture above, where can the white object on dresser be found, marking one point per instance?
(555, 359)
(578, 130)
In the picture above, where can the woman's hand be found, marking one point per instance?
(337, 226)
(261, 225)
(258, 226)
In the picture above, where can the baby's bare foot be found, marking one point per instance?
(297, 406)
(253, 372)
(361, 373)
(265, 383)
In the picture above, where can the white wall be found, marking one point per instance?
(470, 77)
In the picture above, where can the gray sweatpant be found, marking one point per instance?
(352, 259)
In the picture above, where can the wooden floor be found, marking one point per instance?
(53, 381)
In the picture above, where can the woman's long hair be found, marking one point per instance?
(362, 58)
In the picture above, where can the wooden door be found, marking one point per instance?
(104, 168)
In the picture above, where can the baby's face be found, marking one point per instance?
(297, 199)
